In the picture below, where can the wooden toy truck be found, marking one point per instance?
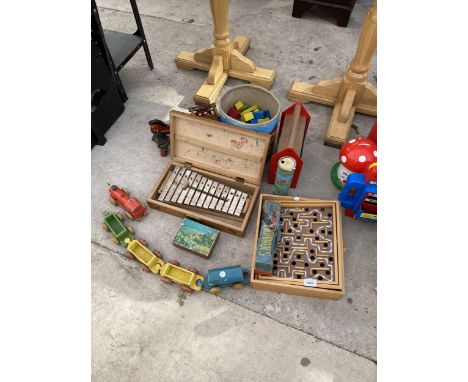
(151, 261)
(234, 276)
(188, 279)
(113, 222)
(134, 210)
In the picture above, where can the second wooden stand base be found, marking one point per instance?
(239, 69)
(326, 93)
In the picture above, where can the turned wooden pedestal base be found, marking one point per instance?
(326, 93)
(223, 59)
(241, 68)
(349, 94)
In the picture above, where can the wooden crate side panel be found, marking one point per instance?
(257, 232)
(286, 134)
(223, 139)
(218, 147)
(339, 234)
(211, 159)
(297, 290)
(281, 280)
(215, 223)
(250, 209)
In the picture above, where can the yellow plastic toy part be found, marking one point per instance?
(247, 117)
(250, 109)
(182, 276)
(239, 105)
(144, 255)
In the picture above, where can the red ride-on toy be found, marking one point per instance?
(132, 206)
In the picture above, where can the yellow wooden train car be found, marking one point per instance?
(152, 260)
(188, 279)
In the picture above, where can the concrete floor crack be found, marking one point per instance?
(272, 318)
(312, 335)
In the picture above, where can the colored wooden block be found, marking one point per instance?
(259, 114)
(239, 105)
(261, 120)
(250, 109)
(247, 117)
(232, 112)
(254, 121)
(266, 113)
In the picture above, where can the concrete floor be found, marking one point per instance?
(139, 329)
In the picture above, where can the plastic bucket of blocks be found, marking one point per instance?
(251, 95)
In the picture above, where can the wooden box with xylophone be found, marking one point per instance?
(308, 260)
(214, 174)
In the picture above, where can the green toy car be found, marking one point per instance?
(113, 223)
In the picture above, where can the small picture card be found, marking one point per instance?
(196, 238)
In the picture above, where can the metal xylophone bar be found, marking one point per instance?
(187, 187)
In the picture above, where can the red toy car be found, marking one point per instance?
(132, 206)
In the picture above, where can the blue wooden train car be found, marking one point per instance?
(234, 276)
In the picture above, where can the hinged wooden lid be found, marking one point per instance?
(218, 147)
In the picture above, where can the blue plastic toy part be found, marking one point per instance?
(357, 193)
(226, 277)
(259, 114)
